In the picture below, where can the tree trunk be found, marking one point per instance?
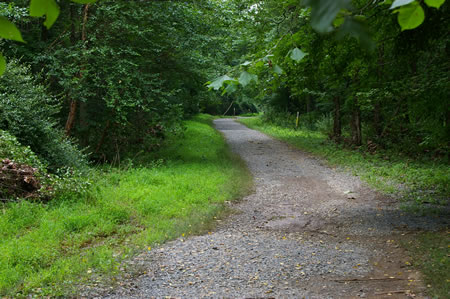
(377, 107)
(337, 128)
(73, 103)
(355, 125)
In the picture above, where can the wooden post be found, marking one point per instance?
(296, 121)
(234, 112)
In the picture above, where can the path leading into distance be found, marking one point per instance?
(306, 231)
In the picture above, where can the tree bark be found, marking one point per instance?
(74, 103)
(355, 124)
(337, 127)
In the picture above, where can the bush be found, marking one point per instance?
(27, 112)
(23, 175)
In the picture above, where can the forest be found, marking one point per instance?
(106, 108)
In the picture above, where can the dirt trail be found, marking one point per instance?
(306, 231)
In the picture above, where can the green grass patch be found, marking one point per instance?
(415, 181)
(48, 249)
(430, 252)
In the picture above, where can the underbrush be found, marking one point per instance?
(418, 182)
(48, 249)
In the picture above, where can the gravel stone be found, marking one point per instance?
(298, 235)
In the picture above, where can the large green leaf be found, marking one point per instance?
(232, 87)
(297, 54)
(434, 3)
(2, 64)
(398, 3)
(323, 13)
(357, 29)
(9, 31)
(246, 78)
(49, 8)
(218, 83)
(410, 16)
(277, 69)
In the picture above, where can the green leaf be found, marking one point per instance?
(434, 3)
(218, 83)
(9, 31)
(246, 78)
(2, 64)
(356, 28)
(410, 16)
(323, 13)
(49, 8)
(398, 3)
(297, 54)
(84, 1)
(232, 87)
(246, 63)
(259, 63)
(277, 69)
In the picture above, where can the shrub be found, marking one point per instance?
(23, 175)
(27, 112)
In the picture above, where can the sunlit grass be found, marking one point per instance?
(46, 249)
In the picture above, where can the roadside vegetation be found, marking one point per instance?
(421, 181)
(48, 247)
(422, 184)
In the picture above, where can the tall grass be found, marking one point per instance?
(47, 249)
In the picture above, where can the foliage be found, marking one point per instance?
(124, 84)
(28, 113)
(11, 149)
(381, 85)
(49, 248)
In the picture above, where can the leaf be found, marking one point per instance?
(9, 31)
(434, 3)
(323, 12)
(246, 63)
(246, 78)
(277, 69)
(398, 3)
(297, 54)
(357, 29)
(232, 87)
(218, 83)
(49, 8)
(2, 64)
(410, 16)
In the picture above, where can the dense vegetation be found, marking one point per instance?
(91, 89)
(367, 83)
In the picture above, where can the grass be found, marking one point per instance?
(430, 252)
(48, 249)
(420, 182)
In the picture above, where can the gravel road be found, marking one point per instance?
(307, 231)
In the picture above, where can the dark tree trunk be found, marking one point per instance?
(355, 124)
(377, 119)
(337, 128)
(73, 103)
